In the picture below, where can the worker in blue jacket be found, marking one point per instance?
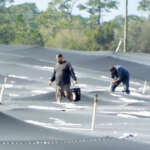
(120, 75)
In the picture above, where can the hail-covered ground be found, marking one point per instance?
(30, 118)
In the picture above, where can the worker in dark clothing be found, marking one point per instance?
(120, 75)
(62, 75)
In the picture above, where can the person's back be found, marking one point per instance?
(63, 73)
(122, 73)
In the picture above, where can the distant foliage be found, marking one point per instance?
(57, 27)
(144, 6)
(139, 37)
(96, 8)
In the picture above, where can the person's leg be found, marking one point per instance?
(114, 86)
(126, 86)
(67, 92)
(58, 94)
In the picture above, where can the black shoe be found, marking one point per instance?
(112, 91)
(127, 92)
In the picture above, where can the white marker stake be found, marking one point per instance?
(145, 87)
(94, 113)
(2, 89)
(110, 85)
(117, 49)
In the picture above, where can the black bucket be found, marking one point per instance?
(76, 92)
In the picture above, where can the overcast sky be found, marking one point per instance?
(133, 4)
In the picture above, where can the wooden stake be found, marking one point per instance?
(110, 85)
(3, 88)
(145, 87)
(119, 44)
(94, 113)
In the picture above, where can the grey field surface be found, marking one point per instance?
(31, 119)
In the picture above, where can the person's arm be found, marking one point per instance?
(114, 80)
(120, 75)
(72, 73)
(52, 78)
(113, 77)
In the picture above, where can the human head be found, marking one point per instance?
(112, 69)
(59, 58)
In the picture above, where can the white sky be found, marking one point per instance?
(133, 4)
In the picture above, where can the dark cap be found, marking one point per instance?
(59, 55)
(112, 68)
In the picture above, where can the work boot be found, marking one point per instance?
(126, 91)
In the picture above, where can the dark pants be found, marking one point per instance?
(125, 83)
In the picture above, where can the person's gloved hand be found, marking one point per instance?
(75, 82)
(113, 81)
(50, 83)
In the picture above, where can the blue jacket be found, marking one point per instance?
(121, 73)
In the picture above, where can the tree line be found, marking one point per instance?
(58, 27)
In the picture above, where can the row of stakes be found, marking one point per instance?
(94, 106)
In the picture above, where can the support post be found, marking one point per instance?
(94, 113)
(126, 27)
